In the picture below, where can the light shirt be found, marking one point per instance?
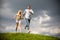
(27, 13)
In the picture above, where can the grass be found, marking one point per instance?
(25, 36)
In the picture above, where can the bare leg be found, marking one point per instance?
(17, 26)
(25, 27)
(20, 28)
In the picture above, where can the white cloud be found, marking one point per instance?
(45, 17)
(6, 11)
(48, 30)
(38, 27)
(34, 32)
(9, 27)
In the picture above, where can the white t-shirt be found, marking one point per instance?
(27, 13)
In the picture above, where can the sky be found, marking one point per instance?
(46, 18)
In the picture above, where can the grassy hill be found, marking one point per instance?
(25, 36)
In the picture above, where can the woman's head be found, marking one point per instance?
(20, 11)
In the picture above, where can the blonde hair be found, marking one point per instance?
(18, 15)
(19, 11)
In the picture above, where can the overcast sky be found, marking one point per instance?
(46, 18)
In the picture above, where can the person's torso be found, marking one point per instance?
(28, 14)
(18, 17)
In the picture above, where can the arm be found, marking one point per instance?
(24, 13)
(31, 11)
(14, 17)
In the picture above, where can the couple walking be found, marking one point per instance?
(27, 15)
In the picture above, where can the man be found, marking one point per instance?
(27, 14)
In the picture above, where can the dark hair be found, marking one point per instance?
(29, 6)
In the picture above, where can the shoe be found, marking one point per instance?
(29, 32)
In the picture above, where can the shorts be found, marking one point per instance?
(18, 21)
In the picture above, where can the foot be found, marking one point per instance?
(29, 31)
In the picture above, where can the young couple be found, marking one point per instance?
(27, 15)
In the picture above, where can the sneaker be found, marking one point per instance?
(29, 32)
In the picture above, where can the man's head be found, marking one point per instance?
(28, 6)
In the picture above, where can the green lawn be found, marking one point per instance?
(25, 36)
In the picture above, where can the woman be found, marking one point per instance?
(18, 20)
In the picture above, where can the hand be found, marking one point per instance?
(13, 17)
(30, 12)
